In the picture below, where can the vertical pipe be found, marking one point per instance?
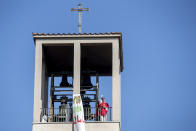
(110, 114)
(97, 94)
(88, 113)
(97, 88)
(51, 106)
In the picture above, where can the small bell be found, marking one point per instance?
(63, 106)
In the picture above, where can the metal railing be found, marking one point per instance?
(92, 114)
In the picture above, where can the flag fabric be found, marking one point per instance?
(78, 113)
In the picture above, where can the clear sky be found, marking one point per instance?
(159, 43)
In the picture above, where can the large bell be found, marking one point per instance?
(86, 81)
(64, 82)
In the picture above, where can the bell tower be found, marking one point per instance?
(67, 64)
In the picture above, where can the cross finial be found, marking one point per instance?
(80, 9)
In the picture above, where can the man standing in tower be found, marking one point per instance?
(103, 109)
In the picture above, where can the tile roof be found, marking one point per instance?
(49, 34)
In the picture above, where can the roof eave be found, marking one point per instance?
(84, 35)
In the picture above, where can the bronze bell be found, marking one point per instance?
(64, 82)
(86, 81)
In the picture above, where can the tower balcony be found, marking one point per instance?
(64, 115)
(58, 119)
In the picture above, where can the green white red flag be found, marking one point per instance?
(78, 113)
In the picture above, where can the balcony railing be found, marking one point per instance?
(65, 114)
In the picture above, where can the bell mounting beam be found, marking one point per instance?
(80, 9)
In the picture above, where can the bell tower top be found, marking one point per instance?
(75, 59)
(101, 47)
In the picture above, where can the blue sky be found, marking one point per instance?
(159, 43)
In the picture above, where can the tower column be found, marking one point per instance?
(116, 84)
(76, 76)
(38, 91)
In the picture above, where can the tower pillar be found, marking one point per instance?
(116, 82)
(76, 76)
(38, 82)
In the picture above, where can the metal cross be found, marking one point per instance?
(80, 9)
